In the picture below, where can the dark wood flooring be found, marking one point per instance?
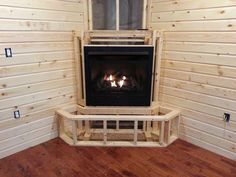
(57, 159)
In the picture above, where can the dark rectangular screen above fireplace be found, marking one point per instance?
(118, 75)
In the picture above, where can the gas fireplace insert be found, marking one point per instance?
(118, 75)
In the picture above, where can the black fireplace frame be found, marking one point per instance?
(144, 100)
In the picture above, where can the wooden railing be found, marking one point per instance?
(159, 130)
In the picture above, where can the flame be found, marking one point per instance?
(109, 78)
(121, 83)
(113, 84)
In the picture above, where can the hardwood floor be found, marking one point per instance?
(57, 159)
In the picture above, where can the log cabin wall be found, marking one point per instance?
(199, 68)
(40, 76)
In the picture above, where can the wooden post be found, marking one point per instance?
(155, 126)
(87, 126)
(148, 11)
(84, 40)
(178, 124)
(61, 125)
(157, 67)
(86, 15)
(117, 124)
(105, 132)
(90, 15)
(74, 131)
(135, 132)
(161, 134)
(144, 25)
(149, 128)
(80, 125)
(167, 132)
(87, 130)
(144, 126)
(78, 69)
(148, 131)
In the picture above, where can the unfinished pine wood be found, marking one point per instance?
(120, 38)
(78, 68)
(35, 36)
(47, 4)
(229, 37)
(164, 6)
(200, 88)
(39, 14)
(129, 110)
(198, 14)
(87, 114)
(166, 134)
(25, 48)
(157, 67)
(198, 68)
(40, 77)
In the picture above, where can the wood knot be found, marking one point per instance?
(220, 73)
(28, 24)
(4, 85)
(222, 12)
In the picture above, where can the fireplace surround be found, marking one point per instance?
(118, 76)
(149, 125)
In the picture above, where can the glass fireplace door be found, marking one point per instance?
(118, 76)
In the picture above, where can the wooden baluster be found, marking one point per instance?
(74, 131)
(105, 131)
(135, 132)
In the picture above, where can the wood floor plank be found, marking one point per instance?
(57, 159)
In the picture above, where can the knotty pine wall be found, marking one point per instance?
(199, 68)
(40, 76)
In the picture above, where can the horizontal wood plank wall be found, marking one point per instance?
(40, 76)
(199, 68)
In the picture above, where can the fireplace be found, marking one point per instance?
(118, 75)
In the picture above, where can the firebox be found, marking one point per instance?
(118, 75)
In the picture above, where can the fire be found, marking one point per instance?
(121, 83)
(110, 78)
(113, 84)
